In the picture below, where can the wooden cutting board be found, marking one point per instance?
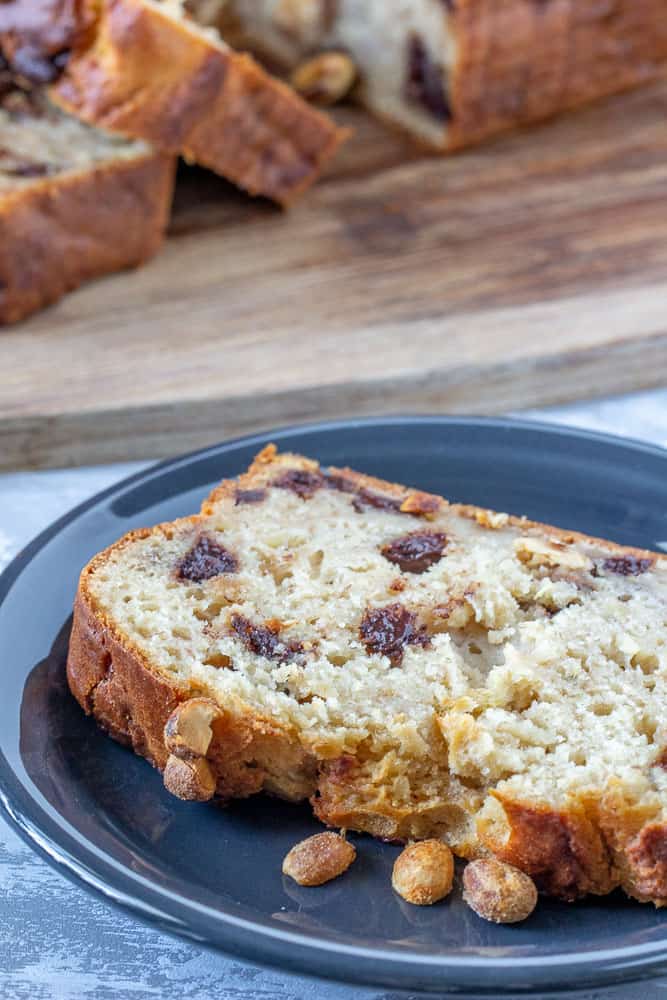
(532, 270)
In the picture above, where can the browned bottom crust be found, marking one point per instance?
(151, 77)
(60, 231)
(593, 847)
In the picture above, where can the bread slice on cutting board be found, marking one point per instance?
(149, 70)
(75, 201)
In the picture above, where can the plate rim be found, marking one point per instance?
(254, 940)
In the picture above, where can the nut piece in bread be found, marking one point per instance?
(188, 732)
(423, 873)
(498, 892)
(319, 859)
(326, 78)
(536, 552)
(190, 779)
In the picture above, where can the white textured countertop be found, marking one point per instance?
(56, 941)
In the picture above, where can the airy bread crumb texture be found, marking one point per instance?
(445, 670)
(38, 140)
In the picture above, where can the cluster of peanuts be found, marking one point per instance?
(423, 874)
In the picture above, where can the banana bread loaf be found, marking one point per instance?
(457, 71)
(414, 668)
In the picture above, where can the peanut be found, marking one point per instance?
(319, 859)
(188, 730)
(326, 78)
(498, 892)
(423, 873)
(191, 780)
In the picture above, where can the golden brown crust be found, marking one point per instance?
(521, 60)
(346, 797)
(647, 863)
(564, 852)
(586, 847)
(147, 75)
(113, 681)
(60, 231)
(637, 842)
(569, 853)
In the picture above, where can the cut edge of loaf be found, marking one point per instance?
(147, 71)
(87, 220)
(588, 847)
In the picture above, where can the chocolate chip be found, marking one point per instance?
(305, 484)
(419, 504)
(205, 560)
(416, 552)
(425, 83)
(249, 496)
(329, 13)
(60, 59)
(264, 640)
(335, 481)
(366, 499)
(387, 631)
(34, 65)
(628, 565)
(6, 79)
(21, 104)
(26, 169)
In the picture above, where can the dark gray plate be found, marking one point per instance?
(101, 814)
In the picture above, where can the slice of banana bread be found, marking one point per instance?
(454, 72)
(148, 69)
(75, 202)
(414, 668)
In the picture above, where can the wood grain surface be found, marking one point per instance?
(532, 270)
